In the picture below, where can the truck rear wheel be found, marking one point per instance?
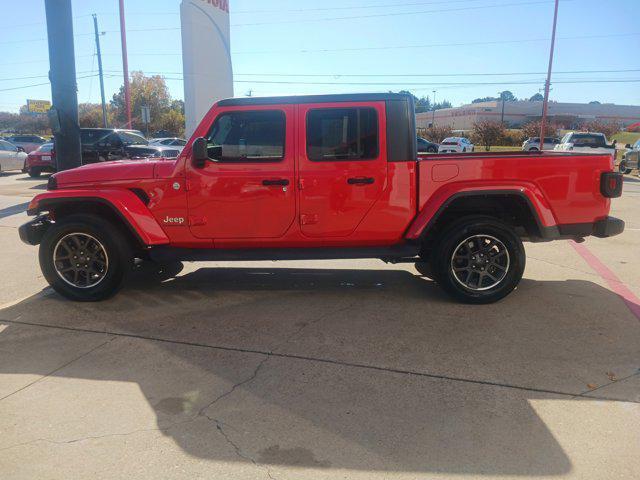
(478, 260)
(84, 257)
(623, 168)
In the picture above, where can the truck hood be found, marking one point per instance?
(121, 170)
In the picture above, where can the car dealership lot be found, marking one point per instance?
(324, 369)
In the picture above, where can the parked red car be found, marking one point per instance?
(43, 159)
(317, 177)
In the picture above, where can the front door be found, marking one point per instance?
(342, 163)
(246, 189)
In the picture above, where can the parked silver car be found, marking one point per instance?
(533, 144)
(631, 158)
(10, 157)
(28, 143)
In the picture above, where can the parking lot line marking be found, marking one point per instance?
(616, 285)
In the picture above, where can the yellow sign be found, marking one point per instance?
(38, 106)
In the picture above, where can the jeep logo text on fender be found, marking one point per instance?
(173, 220)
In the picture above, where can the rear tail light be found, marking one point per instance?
(611, 184)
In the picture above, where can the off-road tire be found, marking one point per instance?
(453, 238)
(111, 239)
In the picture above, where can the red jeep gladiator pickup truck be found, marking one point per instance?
(318, 177)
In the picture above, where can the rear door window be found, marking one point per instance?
(342, 134)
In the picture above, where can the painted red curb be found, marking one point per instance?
(616, 285)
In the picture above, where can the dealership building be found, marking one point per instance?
(520, 112)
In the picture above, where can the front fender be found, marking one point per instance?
(438, 202)
(124, 203)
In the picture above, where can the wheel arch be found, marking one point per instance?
(512, 206)
(125, 210)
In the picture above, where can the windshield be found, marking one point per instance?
(588, 140)
(132, 139)
(89, 137)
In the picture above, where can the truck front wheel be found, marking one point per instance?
(478, 260)
(84, 257)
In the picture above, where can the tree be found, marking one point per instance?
(90, 115)
(597, 126)
(538, 97)
(145, 91)
(532, 129)
(441, 105)
(437, 133)
(171, 121)
(507, 96)
(484, 99)
(25, 122)
(594, 102)
(424, 104)
(488, 132)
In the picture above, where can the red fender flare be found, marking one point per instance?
(445, 195)
(123, 202)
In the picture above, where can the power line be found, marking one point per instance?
(432, 45)
(313, 20)
(357, 7)
(22, 87)
(412, 84)
(392, 14)
(385, 75)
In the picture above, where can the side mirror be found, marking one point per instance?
(19, 149)
(199, 152)
(628, 145)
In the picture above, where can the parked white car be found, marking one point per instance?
(10, 157)
(585, 142)
(456, 145)
(533, 144)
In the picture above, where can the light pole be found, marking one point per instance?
(105, 124)
(433, 110)
(125, 64)
(545, 103)
(62, 74)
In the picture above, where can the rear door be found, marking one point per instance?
(246, 190)
(342, 165)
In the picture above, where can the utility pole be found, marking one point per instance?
(125, 64)
(433, 110)
(105, 123)
(64, 90)
(502, 115)
(547, 86)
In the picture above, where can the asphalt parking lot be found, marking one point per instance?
(323, 370)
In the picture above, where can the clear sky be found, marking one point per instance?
(325, 46)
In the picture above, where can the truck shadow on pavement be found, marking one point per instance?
(368, 370)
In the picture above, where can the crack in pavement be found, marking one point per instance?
(203, 410)
(606, 385)
(329, 361)
(89, 437)
(238, 450)
(52, 372)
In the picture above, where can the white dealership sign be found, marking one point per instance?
(206, 57)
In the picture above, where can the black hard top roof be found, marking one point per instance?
(296, 99)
